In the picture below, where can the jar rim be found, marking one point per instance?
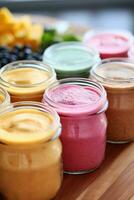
(49, 58)
(24, 64)
(104, 79)
(77, 109)
(39, 106)
(6, 96)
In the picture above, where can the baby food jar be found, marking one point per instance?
(30, 152)
(4, 99)
(71, 59)
(81, 104)
(117, 76)
(110, 43)
(26, 80)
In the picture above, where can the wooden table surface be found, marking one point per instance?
(114, 180)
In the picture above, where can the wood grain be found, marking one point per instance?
(114, 180)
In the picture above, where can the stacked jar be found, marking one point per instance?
(30, 149)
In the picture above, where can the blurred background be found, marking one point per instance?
(102, 14)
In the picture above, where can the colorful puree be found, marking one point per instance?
(83, 135)
(118, 79)
(26, 80)
(71, 59)
(110, 45)
(29, 161)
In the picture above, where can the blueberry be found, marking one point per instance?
(30, 57)
(13, 57)
(21, 55)
(3, 49)
(6, 55)
(4, 61)
(37, 56)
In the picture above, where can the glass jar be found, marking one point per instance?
(71, 59)
(81, 104)
(117, 76)
(110, 43)
(30, 152)
(26, 80)
(4, 98)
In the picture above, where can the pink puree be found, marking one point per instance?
(83, 136)
(110, 45)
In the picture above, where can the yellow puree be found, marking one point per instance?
(1, 98)
(32, 171)
(24, 82)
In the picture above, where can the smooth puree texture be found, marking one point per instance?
(74, 95)
(119, 73)
(71, 59)
(118, 79)
(26, 80)
(30, 161)
(25, 126)
(83, 131)
(25, 76)
(110, 45)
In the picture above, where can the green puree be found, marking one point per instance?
(71, 60)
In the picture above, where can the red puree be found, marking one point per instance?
(83, 131)
(110, 45)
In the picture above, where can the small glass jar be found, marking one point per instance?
(71, 59)
(4, 99)
(117, 76)
(26, 80)
(30, 158)
(81, 105)
(110, 43)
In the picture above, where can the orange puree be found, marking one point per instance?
(1, 98)
(30, 161)
(26, 80)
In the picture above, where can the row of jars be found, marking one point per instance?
(30, 149)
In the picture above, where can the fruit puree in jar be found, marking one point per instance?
(26, 81)
(117, 76)
(71, 59)
(83, 131)
(30, 163)
(110, 43)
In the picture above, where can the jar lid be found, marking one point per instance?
(73, 96)
(70, 57)
(110, 43)
(115, 72)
